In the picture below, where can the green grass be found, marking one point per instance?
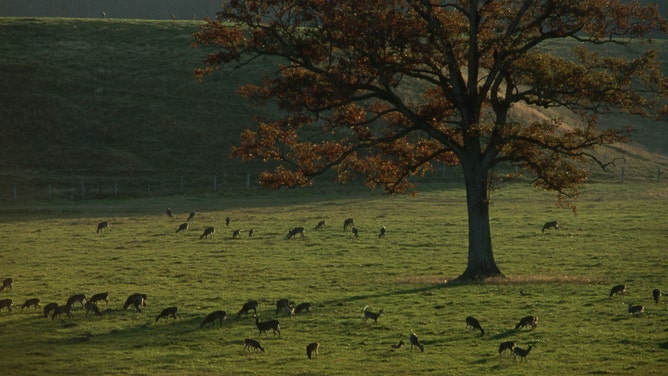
(51, 251)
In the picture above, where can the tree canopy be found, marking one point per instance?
(385, 89)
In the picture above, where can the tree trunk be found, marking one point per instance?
(481, 262)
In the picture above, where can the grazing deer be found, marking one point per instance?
(58, 311)
(77, 298)
(549, 225)
(617, 290)
(49, 308)
(320, 225)
(99, 297)
(347, 223)
(283, 304)
(92, 307)
(636, 310)
(527, 321)
(136, 300)
(312, 348)
(6, 303)
(295, 231)
(266, 325)
(413, 339)
(191, 216)
(248, 306)
(355, 232)
(522, 353)
(227, 221)
(102, 226)
(169, 311)
(475, 324)
(656, 294)
(212, 317)
(371, 315)
(207, 231)
(169, 212)
(248, 343)
(31, 302)
(183, 227)
(398, 345)
(236, 234)
(306, 307)
(6, 284)
(507, 345)
(251, 232)
(382, 232)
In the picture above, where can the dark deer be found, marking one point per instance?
(413, 339)
(6, 284)
(266, 325)
(636, 310)
(103, 296)
(312, 348)
(191, 216)
(617, 290)
(102, 226)
(507, 345)
(347, 223)
(371, 315)
(247, 307)
(77, 298)
(356, 232)
(227, 221)
(248, 343)
(295, 231)
(320, 225)
(522, 353)
(303, 307)
(58, 311)
(382, 232)
(549, 225)
(6, 303)
(283, 304)
(527, 321)
(212, 317)
(656, 294)
(183, 227)
(236, 234)
(251, 232)
(169, 212)
(167, 312)
(207, 231)
(92, 307)
(49, 308)
(31, 302)
(136, 300)
(475, 324)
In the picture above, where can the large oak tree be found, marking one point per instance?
(386, 88)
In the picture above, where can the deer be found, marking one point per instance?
(382, 233)
(136, 300)
(356, 232)
(636, 310)
(320, 225)
(169, 212)
(371, 315)
(656, 294)
(169, 311)
(6, 284)
(617, 290)
(507, 345)
(347, 223)
(527, 321)
(102, 226)
(207, 232)
(251, 232)
(248, 343)
(77, 298)
(413, 339)
(92, 307)
(522, 353)
(183, 227)
(248, 306)
(549, 225)
(312, 349)
(295, 231)
(212, 317)
(31, 302)
(475, 324)
(227, 221)
(103, 296)
(266, 325)
(236, 234)
(6, 303)
(49, 308)
(59, 310)
(283, 304)
(191, 216)
(303, 307)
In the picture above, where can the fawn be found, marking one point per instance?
(371, 315)
(549, 225)
(266, 325)
(473, 323)
(507, 345)
(31, 302)
(522, 353)
(617, 290)
(248, 343)
(207, 232)
(312, 348)
(212, 317)
(527, 321)
(413, 339)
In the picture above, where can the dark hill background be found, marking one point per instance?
(107, 106)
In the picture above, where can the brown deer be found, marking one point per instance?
(247, 307)
(212, 317)
(549, 225)
(347, 223)
(617, 290)
(49, 308)
(103, 296)
(77, 298)
(636, 310)
(507, 345)
(656, 294)
(266, 325)
(92, 307)
(248, 343)
(102, 226)
(136, 300)
(413, 339)
(58, 311)
(472, 322)
(371, 315)
(527, 321)
(236, 234)
(169, 311)
(6, 284)
(183, 227)
(6, 303)
(320, 225)
(312, 348)
(295, 231)
(207, 232)
(522, 353)
(31, 302)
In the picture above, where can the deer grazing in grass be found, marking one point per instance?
(6, 284)
(207, 232)
(297, 230)
(527, 321)
(77, 298)
(236, 234)
(284, 304)
(636, 310)
(136, 300)
(472, 322)
(522, 353)
(102, 226)
(248, 343)
(320, 225)
(656, 294)
(167, 312)
(617, 290)
(59, 310)
(507, 345)
(92, 307)
(348, 223)
(371, 315)
(382, 232)
(247, 307)
(251, 232)
(6, 303)
(212, 317)
(266, 325)
(191, 216)
(549, 225)
(312, 349)
(183, 227)
(356, 232)
(303, 307)
(34, 302)
(103, 296)
(49, 308)
(169, 212)
(413, 339)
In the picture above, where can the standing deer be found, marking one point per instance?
(382, 232)
(507, 345)
(248, 343)
(169, 311)
(656, 294)
(475, 324)
(77, 298)
(92, 307)
(266, 325)
(347, 223)
(136, 300)
(522, 353)
(31, 302)
(207, 232)
(617, 290)
(320, 225)
(371, 315)
(527, 321)
(295, 231)
(312, 348)
(102, 226)
(6, 303)
(183, 227)
(6, 284)
(549, 225)
(98, 297)
(212, 317)
(413, 339)
(247, 307)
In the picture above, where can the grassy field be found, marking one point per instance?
(51, 250)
